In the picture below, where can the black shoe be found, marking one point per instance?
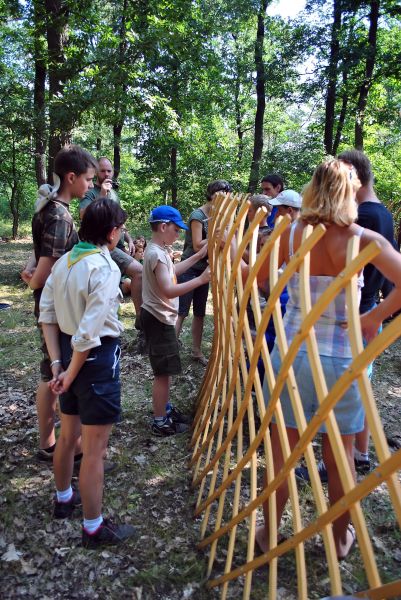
(64, 510)
(108, 466)
(107, 534)
(44, 456)
(178, 417)
(362, 465)
(302, 473)
(168, 427)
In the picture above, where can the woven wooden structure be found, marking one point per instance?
(231, 434)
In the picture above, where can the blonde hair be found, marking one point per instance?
(329, 198)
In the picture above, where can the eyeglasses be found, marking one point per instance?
(122, 228)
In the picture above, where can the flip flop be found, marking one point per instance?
(200, 359)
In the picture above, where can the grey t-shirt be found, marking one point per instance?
(162, 308)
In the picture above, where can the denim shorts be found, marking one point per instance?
(348, 411)
(197, 297)
(161, 344)
(95, 394)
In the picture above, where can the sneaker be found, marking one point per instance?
(108, 466)
(64, 510)
(43, 455)
(107, 534)
(302, 473)
(178, 417)
(169, 427)
(362, 465)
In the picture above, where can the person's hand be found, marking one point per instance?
(370, 326)
(131, 247)
(205, 276)
(105, 188)
(203, 251)
(221, 236)
(26, 275)
(61, 382)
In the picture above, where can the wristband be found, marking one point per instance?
(55, 362)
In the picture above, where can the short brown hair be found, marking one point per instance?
(73, 159)
(360, 161)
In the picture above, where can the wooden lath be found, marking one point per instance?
(232, 422)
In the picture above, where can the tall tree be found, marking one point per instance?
(260, 98)
(368, 76)
(332, 73)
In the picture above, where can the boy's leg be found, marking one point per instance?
(91, 475)
(160, 394)
(46, 410)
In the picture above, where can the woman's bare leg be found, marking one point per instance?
(343, 537)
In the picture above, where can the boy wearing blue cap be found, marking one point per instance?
(160, 292)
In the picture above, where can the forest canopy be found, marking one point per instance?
(179, 92)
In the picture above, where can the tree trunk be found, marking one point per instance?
(117, 129)
(261, 99)
(60, 120)
(15, 192)
(332, 78)
(120, 94)
(173, 174)
(369, 68)
(39, 116)
(343, 113)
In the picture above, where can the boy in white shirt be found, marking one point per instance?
(160, 292)
(78, 313)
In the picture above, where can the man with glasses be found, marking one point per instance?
(129, 266)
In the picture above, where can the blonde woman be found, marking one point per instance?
(328, 199)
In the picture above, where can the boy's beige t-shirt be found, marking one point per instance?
(164, 309)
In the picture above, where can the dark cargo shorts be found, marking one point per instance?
(161, 344)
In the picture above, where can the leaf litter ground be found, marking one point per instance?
(42, 558)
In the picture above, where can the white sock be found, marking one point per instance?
(64, 496)
(90, 525)
(360, 455)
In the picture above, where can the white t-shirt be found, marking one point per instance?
(162, 308)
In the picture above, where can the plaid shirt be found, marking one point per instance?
(332, 338)
(53, 230)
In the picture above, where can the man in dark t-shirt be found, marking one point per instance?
(373, 215)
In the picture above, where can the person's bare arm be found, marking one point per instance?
(172, 290)
(51, 333)
(63, 381)
(41, 272)
(130, 243)
(184, 265)
(388, 262)
(196, 230)
(28, 270)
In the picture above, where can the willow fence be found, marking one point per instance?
(231, 439)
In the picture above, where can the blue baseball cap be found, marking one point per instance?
(166, 214)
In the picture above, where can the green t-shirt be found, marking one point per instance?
(93, 194)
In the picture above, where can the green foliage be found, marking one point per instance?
(179, 78)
